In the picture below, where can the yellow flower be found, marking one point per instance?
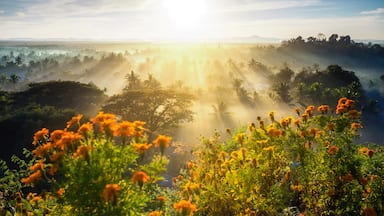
(185, 207)
(269, 149)
(111, 192)
(40, 135)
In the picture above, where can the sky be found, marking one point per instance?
(145, 20)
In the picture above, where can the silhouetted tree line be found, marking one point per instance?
(335, 44)
(314, 86)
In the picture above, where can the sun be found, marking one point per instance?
(185, 14)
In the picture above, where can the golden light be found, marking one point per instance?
(185, 15)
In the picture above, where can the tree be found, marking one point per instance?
(162, 110)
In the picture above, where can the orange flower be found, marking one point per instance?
(347, 177)
(34, 177)
(323, 109)
(310, 110)
(60, 192)
(56, 156)
(155, 213)
(296, 187)
(140, 177)
(85, 129)
(124, 129)
(74, 120)
(141, 148)
(56, 135)
(53, 169)
(269, 149)
(111, 193)
(355, 126)
(82, 151)
(68, 139)
(161, 199)
(342, 100)
(162, 142)
(366, 151)
(305, 117)
(37, 166)
(333, 150)
(40, 135)
(42, 150)
(105, 121)
(185, 207)
(138, 128)
(354, 114)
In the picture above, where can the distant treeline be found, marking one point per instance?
(335, 44)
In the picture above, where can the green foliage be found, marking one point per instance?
(161, 109)
(309, 165)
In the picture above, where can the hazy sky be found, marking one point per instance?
(190, 19)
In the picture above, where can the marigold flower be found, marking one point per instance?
(369, 212)
(161, 199)
(354, 114)
(305, 117)
(37, 166)
(333, 150)
(240, 137)
(60, 192)
(323, 109)
(35, 199)
(68, 139)
(262, 142)
(261, 124)
(53, 169)
(296, 187)
(347, 177)
(190, 187)
(366, 151)
(342, 100)
(82, 151)
(185, 207)
(40, 135)
(269, 149)
(75, 120)
(138, 128)
(34, 177)
(350, 103)
(142, 147)
(162, 142)
(355, 126)
(85, 129)
(140, 177)
(56, 135)
(111, 192)
(296, 122)
(313, 131)
(155, 213)
(56, 156)
(42, 150)
(124, 129)
(105, 121)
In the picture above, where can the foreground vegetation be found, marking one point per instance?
(310, 164)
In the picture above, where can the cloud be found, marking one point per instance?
(2, 11)
(267, 5)
(373, 12)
